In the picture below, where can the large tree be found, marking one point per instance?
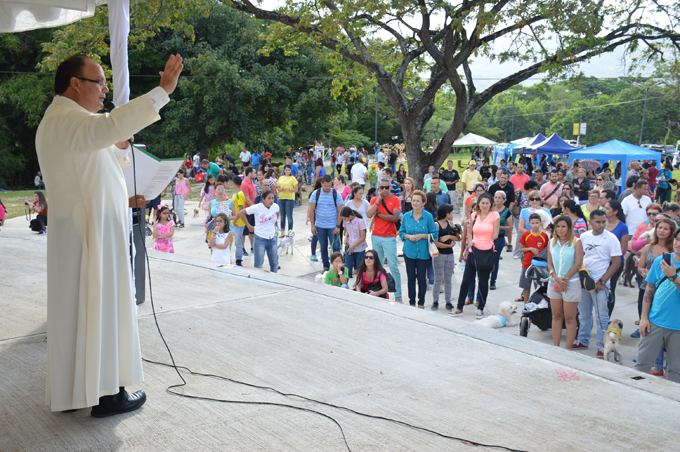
(397, 41)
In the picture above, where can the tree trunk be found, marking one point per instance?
(418, 161)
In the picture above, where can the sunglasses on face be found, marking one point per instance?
(534, 199)
(382, 187)
(599, 180)
(369, 258)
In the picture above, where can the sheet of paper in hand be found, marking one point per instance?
(153, 174)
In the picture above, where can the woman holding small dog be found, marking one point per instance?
(445, 262)
(416, 228)
(287, 189)
(564, 289)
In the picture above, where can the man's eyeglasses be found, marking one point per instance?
(599, 180)
(220, 189)
(102, 84)
(383, 187)
(534, 199)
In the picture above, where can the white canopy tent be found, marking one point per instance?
(25, 15)
(473, 140)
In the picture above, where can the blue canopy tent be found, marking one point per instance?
(618, 151)
(502, 152)
(522, 149)
(554, 145)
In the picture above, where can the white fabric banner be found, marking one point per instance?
(119, 29)
(25, 15)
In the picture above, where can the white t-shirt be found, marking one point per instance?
(380, 157)
(244, 156)
(197, 160)
(359, 172)
(341, 158)
(598, 250)
(635, 212)
(265, 219)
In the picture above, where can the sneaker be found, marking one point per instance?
(435, 306)
(479, 314)
(508, 249)
(245, 253)
(516, 257)
(398, 300)
(578, 344)
(635, 334)
(492, 286)
(313, 258)
(449, 306)
(238, 262)
(657, 372)
(42, 231)
(600, 353)
(457, 312)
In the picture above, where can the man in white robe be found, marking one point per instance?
(93, 348)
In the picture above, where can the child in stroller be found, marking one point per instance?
(537, 310)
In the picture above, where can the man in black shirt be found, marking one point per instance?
(506, 186)
(393, 161)
(450, 177)
(485, 171)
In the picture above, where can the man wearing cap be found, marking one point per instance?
(470, 177)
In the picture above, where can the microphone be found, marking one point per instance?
(109, 106)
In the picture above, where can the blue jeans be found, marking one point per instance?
(393, 167)
(590, 301)
(315, 241)
(326, 235)
(416, 270)
(286, 212)
(498, 245)
(352, 261)
(238, 242)
(269, 246)
(310, 172)
(387, 247)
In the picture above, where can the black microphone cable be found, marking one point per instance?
(110, 106)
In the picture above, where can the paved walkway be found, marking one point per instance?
(332, 345)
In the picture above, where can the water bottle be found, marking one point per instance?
(462, 266)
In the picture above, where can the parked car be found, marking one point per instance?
(666, 150)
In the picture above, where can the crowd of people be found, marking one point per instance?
(567, 216)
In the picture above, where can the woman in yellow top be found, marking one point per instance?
(287, 188)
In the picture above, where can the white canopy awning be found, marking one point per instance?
(473, 140)
(25, 15)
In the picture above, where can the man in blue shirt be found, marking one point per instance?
(255, 159)
(324, 214)
(293, 167)
(396, 188)
(660, 319)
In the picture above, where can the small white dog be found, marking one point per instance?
(286, 243)
(612, 340)
(647, 235)
(320, 278)
(503, 318)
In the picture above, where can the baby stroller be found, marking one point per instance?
(537, 310)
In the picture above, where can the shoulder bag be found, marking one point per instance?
(397, 223)
(484, 259)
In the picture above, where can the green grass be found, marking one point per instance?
(14, 202)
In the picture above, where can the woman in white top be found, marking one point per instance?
(564, 288)
(356, 201)
(265, 213)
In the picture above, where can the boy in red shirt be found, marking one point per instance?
(531, 243)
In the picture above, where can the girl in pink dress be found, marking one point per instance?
(163, 230)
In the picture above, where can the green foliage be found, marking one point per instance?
(349, 137)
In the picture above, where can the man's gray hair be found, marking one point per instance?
(386, 179)
(609, 185)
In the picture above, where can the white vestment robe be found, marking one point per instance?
(93, 340)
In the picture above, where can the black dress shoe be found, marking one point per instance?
(492, 286)
(122, 402)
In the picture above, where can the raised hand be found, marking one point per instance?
(171, 73)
